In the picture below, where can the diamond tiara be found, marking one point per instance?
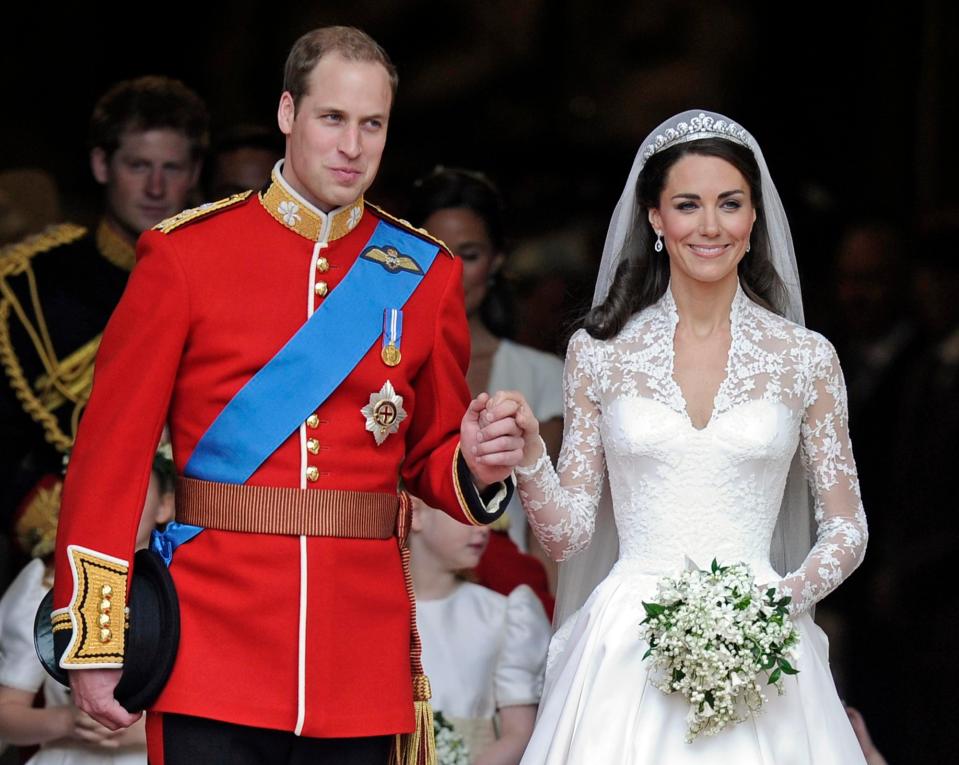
(702, 126)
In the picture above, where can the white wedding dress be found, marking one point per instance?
(678, 492)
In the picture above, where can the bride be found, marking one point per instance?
(721, 424)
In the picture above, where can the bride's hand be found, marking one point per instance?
(525, 420)
(491, 442)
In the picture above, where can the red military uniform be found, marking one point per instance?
(305, 634)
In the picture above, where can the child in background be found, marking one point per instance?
(66, 735)
(483, 652)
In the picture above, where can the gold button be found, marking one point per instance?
(105, 605)
(106, 591)
(105, 635)
(313, 473)
(312, 421)
(322, 265)
(104, 620)
(313, 446)
(321, 288)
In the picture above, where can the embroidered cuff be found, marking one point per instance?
(97, 610)
(479, 509)
(526, 472)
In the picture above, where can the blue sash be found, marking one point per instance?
(304, 372)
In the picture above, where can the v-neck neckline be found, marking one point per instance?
(672, 314)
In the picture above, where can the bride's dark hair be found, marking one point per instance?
(643, 274)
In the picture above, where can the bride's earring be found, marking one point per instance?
(748, 245)
(659, 242)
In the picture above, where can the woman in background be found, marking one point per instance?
(465, 210)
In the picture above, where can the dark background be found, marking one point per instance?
(853, 103)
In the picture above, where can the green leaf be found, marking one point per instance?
(774, 677)
(715, 566)
(788, 668)
(649, 652)
(654, 609)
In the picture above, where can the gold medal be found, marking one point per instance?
(391, 355)
(392, 336)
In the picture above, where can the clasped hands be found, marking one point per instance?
(499, 433)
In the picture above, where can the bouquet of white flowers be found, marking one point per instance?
(712, 636)
(450, 747)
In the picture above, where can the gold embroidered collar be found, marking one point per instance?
(114, 247)
(291, 210)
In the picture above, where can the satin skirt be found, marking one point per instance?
(599, 706)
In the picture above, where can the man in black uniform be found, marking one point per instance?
(59, 287)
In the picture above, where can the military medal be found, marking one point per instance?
(391, 355)
(384, 413)
(392, 333)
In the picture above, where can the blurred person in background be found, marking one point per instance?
(465, 210)
(489, 694)
(241, 159)
(918, 554)
(65, 734)
(877, 338)
(29, 201)
(875, 327)
(147, 137)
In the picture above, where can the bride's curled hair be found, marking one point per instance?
(643, 274)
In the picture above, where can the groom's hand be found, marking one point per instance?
(490, 440)
(93, 693)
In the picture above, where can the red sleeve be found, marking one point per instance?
(110, 465)
(433, 469)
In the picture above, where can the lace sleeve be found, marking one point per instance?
(561, 504)
(826, 452)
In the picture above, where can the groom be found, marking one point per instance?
(308, 351)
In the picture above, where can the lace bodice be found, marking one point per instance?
(682, 492)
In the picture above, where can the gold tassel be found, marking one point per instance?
(418, 747)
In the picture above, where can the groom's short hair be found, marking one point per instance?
(351, 43)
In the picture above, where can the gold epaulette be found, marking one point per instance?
(195, 213)
(14, 257)
(420, 232)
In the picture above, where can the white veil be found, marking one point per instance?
(793, 535)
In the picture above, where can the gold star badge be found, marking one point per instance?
(384, 413)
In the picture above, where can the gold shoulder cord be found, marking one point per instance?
(15, 261)
(187, 216)
(403, 223)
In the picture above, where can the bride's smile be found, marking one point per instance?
(705, 216)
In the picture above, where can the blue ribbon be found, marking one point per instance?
(302, 375)
(164, 543)
(392, 327)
